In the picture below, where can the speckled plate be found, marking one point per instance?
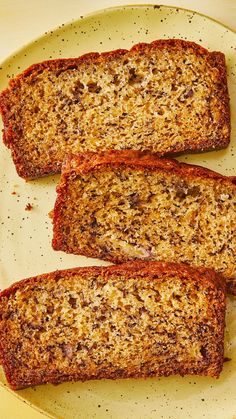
(26, 235)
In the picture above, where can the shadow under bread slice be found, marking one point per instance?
(137, 320)
(169, 96)
(125, 205)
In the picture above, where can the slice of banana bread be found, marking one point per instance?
(140, 319)
(169, 96)
(125, 205)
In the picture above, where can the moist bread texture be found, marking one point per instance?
(126, 205)
(141, 319)
(169, 96)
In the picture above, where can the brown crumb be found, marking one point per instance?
(28, 207)
(226, 359)
(50, 214)
(13, 193)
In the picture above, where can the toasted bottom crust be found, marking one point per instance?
(59, 379)
(230, 282)
(54, 169)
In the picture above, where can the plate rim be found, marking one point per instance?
(102, 11)
(20, 398)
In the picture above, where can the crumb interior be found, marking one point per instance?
(124, 214)
(93, 326)
(159, 101)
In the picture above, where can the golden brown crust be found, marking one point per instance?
(151, 271)
(11, 136)
(127, 269)
(84, 163)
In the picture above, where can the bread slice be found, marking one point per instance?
(126, 205)
(141, 319)
(169, 96)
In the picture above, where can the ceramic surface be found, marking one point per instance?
(25, 248)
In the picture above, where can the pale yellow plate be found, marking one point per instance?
(26, 235)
